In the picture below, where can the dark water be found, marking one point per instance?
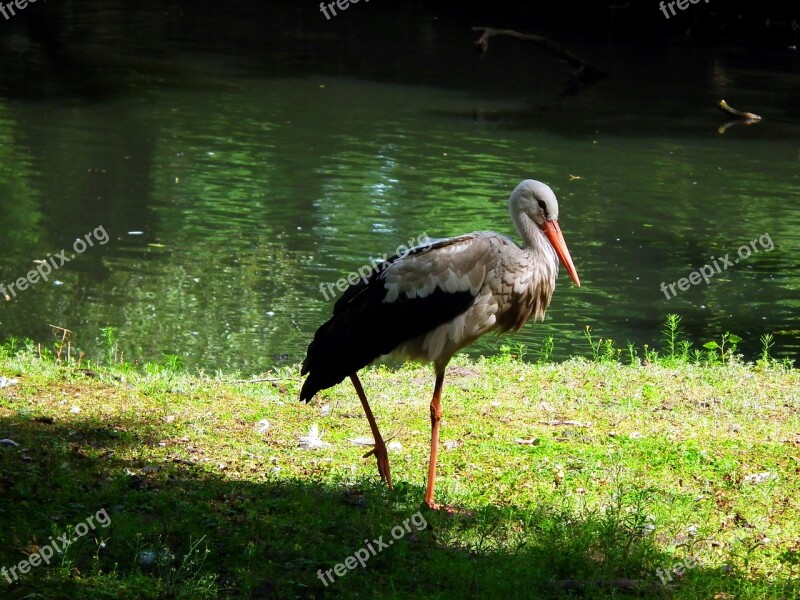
(238, 169)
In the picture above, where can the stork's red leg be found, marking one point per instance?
(381, 455)
(436, 417)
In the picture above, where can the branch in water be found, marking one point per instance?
(740, 118)
(585, 72)
(729, 110)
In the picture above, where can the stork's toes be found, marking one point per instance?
(382, 458)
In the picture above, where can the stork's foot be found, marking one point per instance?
(382, 457)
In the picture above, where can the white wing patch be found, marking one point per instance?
(457, 267)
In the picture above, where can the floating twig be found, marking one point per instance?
(739, 117)
(745, 116)
(584, 74)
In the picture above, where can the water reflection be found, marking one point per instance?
(252, 191)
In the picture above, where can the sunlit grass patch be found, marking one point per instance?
(589, 478)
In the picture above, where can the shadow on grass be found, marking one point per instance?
(182, 530)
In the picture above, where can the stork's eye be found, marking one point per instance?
(542, 205)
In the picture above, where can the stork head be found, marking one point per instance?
(536, 201)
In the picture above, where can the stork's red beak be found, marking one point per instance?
(553, 233)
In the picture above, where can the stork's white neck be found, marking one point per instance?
(531, 235)
(534, 241)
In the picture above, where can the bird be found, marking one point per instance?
(437, 298)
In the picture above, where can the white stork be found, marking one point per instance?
(431, 302)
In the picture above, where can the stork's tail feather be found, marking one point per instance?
(368, 328)
(317, 381)
(340, 347)
(309, 389)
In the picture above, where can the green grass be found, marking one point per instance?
(578, 479)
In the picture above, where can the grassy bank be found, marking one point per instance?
(672, 477)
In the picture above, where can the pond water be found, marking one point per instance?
(235, 176)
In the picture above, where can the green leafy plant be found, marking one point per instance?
(12, 345)
(767, 342)
(505, 353)
(110, 336)
(719, 352)
(603, 350)
(546, 351)
(517, 351)
(633, 355)
(675, 350)
(173, 363)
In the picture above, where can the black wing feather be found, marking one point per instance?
(363, 327)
